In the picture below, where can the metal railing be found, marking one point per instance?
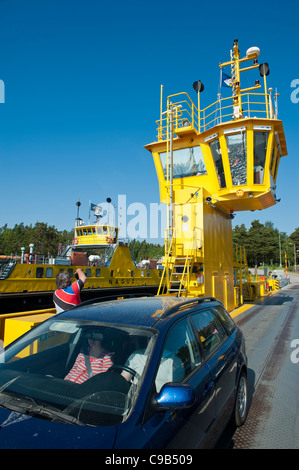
(186, 114)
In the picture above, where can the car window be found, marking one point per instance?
(75, 366)
(225, 318)
(210, 330)
(180, 355)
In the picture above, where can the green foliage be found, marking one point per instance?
(265, 244)
(140, 250)
(45, 238)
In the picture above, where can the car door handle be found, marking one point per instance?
(208, 388)
(232, 352)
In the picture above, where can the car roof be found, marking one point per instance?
(141, 311)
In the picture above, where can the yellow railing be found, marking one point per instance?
(186, 114)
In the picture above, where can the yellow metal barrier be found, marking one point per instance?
(13, 325)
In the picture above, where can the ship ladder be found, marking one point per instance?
(180, 276)
(164, 283)
(7, 269)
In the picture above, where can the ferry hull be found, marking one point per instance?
(32, 278)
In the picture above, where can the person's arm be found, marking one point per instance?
(81, 275)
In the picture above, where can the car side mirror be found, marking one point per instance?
(175, 395)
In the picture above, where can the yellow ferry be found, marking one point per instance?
(111, 265)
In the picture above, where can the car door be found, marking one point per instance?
(220, 350)
(181, 361)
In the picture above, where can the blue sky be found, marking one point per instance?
(82, 94)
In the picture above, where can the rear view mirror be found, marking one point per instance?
(175, 395)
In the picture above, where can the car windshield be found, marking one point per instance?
(75, 371)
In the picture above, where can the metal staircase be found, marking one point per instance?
(180, 276)
(6, 269)
(176, 273)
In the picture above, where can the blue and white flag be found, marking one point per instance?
(225, 80)
(94, 207)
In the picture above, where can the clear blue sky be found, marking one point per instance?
(82, 94)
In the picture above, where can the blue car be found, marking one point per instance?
(135, 373)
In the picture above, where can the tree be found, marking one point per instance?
(261, 242)
(294, 240)
(45, 238)
(140, 250)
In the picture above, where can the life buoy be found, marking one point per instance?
(108, 240)
(75, 241)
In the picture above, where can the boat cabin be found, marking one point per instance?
(95, 235)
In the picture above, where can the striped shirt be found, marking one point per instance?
(78, 372)
(64, 299)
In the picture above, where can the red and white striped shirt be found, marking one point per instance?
(78, 372)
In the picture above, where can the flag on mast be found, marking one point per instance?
(225, 80)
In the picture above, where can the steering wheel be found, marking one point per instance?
(120, 367)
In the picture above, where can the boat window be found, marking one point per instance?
(217, 157)
(237, 154)
(70, 272)
(99, 230)
(49, 272)
(186, 162)
(260, 150)
(273, 158)
(84, 231)
(88, 272)
(39, 272)
(132, 273)
(89, 230)
(98, 272)
(276, 167)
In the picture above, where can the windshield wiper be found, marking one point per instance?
(30, 407)
(45, 411)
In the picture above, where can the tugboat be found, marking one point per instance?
(27, 280)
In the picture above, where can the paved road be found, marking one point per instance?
(270, 329)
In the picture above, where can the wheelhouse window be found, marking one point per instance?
(217, 157)
(186, 162)
(273, 158)
(237, 154)
(260, 150)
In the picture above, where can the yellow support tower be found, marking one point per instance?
(210, 163)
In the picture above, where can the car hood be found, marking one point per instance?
(19, 431)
